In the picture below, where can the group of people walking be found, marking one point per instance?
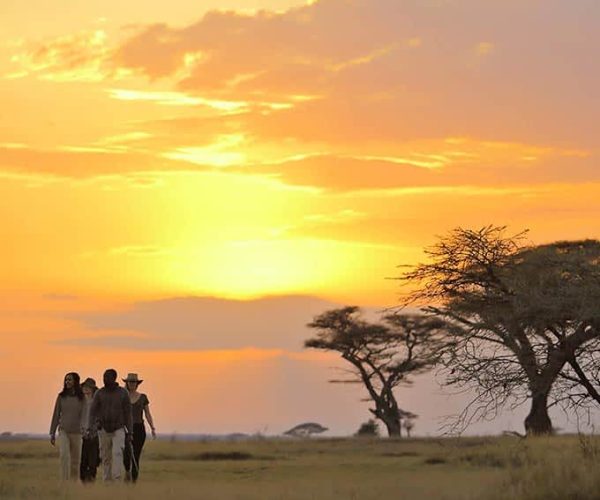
(100, 425)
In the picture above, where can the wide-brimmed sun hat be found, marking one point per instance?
(89, 382)
(132, 377)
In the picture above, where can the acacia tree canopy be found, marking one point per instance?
(524, 317)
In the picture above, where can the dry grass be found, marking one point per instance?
(467, 468)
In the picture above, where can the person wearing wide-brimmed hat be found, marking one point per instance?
(139, 408)
(90, 448)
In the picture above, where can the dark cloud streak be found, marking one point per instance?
(197, 323)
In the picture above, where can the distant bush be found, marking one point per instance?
(368, 428)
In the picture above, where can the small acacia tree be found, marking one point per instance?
(383, 355)
(527, 319)
(408, 422)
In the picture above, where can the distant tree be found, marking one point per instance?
(370, 428)
(525, 319)
(408, 422)
(6, 435)
(305, 430)
(383, 355)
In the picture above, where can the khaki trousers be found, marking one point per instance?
(111, 453)
(69, 448)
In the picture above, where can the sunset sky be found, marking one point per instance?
(183, 188)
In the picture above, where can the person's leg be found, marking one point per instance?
(118, 443)
(106, 454)
(65, 456)
(139, 438)
(84, 467)
(127, 462)
(75, 452)
(94, 457)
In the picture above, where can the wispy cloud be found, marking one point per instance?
(140, 251)
(177, 99)
(84, 56)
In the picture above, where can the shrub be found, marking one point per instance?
(368, 428)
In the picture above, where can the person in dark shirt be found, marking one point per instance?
(111, 412)
(139, 407)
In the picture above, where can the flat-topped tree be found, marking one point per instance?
(383, 355)
(525, 317)
(305, 430)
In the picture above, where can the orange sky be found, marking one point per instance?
(152, 151)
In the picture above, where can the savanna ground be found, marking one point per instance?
(560, 467)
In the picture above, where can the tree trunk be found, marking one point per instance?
(392, 424)
(389, 414)
(538, 421)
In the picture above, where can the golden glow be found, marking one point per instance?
(155, 161)
(218, 154)
(249, 269)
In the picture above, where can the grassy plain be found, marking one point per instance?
(561, 467)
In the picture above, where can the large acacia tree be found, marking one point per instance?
(527, 319)
(382, 355)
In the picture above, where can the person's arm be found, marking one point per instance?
(55, 420)
(127, 417)
(149, 418)
(92, 422)
(84, 417)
